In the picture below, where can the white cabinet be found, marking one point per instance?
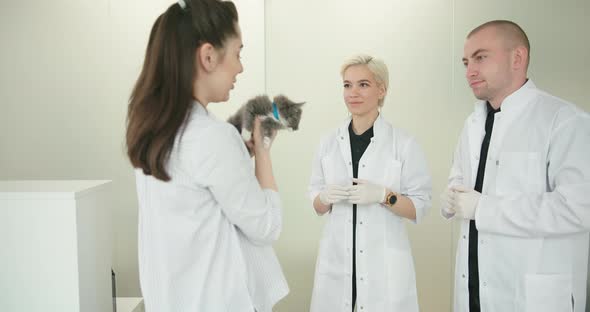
(55, 246)
(130, 304)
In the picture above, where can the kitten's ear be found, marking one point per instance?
(279, 99)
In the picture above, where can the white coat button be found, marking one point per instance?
(363, 166)
(464, 236)
(350, 163)
(463, 275)
(361, 251)
(361, 223)
(341, 138)
(362, 308)
(485, 284)
(362, 279)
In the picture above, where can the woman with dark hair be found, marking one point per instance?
(207, 217)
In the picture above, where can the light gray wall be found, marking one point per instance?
(67, 68)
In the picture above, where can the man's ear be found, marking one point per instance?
(520, 57)
(207, 57)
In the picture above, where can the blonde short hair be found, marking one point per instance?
(375, 66)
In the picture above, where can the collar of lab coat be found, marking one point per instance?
(378, 127)
(199, 109)
(511, 104)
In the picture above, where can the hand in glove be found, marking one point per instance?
(446, 202)
(465, 202)
(365, 192)
(334, 193)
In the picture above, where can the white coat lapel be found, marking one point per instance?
(368, 157)
(344, 144)
(476, 133)
(510, 111)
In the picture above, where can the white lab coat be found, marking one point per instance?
(385, 269)
(534, 215)
(205, 237)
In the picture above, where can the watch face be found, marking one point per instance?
(392, 199)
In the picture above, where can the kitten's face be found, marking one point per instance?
(290, 112)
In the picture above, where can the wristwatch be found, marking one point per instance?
(390, 199)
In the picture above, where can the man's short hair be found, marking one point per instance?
(510, 31)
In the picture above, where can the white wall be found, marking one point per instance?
(67, 67)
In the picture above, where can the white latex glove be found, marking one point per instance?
(334, 193)
(446, 202)
(465, 201)
(365, 192)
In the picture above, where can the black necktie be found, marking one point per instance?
(474, 305)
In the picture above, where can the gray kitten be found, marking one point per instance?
(281, 113)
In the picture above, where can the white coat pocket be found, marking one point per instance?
(392, 175)
(518, 172)
(548, 293)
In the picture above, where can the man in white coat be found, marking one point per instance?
(519, 185)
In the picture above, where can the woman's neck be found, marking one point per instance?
(200, 94)
(362, 123)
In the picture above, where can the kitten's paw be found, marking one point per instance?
(266, 141)
(246, 135)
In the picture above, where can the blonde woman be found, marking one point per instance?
(367, 177)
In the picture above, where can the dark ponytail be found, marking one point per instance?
(162, 97)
